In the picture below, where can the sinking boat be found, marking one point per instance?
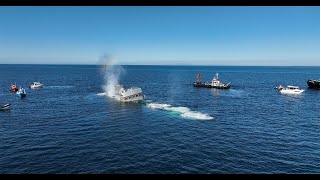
(5, 107)
(215, 83)
(128, 95)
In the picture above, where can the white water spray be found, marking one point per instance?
(111, 79)
(112, 73)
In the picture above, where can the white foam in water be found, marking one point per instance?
(59, 87)
(102, 94)
(184, 111)
(105, 94)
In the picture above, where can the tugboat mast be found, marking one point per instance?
(197, 77)
(216, 76)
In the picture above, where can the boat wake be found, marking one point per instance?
(230, 93)
(58, 87)
(183, 111)
(102, 94)
(236, 93)
(106, 94)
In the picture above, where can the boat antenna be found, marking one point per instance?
(217, 76)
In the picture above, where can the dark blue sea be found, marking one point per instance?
(67, 127)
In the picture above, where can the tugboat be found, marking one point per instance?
(289, 90)
(314, 83)
(215, 83)
(128, 95)
(13, 88)
(21, 93)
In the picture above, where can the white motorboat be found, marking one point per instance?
(290, 90)
(36, 85)
(5, 107)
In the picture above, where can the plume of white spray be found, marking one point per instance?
(112, 73)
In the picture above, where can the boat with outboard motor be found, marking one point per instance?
(289, 89)
(5, 107)
(215, 83)
(21, 93)
(314, 83)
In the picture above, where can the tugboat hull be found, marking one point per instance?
(215, 83)
(314, 84)
(226, 86)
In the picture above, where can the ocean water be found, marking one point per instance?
(67, 127)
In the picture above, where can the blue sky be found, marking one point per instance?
(174, 35)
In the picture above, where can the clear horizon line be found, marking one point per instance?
(171, 65)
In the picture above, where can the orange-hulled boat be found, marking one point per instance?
(13, 88)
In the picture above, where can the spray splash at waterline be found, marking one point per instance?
(111, 72)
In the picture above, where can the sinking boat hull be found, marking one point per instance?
(128, 95)
(122, 99)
